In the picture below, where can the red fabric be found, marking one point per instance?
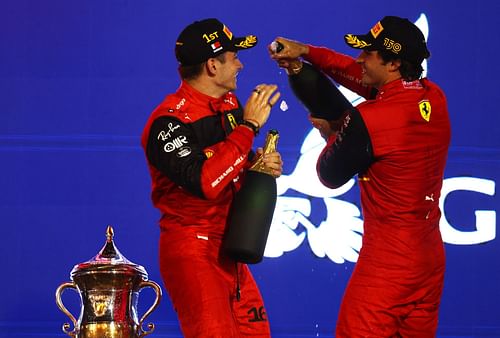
(200, 280)
(342, 68)
(393, 291)
(229, 157)
(411, 153)
(202, 285)
(396, 286)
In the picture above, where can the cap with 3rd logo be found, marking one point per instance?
(206, 39)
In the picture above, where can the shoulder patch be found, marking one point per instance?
(209, 153)
(425, 109)
(176, 105)
(412, 84)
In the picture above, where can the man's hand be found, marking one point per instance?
(292, 50)
(272, 161)
(259, 104)
(324, 127)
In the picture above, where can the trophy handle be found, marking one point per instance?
(66, 326)
(151, 326)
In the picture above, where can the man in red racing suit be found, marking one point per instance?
(198, 142)
(397, 142)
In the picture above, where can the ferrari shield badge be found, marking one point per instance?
(425, 109)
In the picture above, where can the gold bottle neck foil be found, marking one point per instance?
(270, 146)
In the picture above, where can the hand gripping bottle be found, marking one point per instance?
(314, 89)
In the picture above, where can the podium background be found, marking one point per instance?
(78, 80)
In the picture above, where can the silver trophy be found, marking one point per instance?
(109, 287)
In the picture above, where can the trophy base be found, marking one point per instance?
(106, 330)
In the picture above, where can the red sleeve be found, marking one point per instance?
(228, 159)
(340, 67)
(172, 147)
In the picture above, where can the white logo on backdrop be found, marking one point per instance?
(339, 235)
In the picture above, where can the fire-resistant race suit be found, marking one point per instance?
(197, 154)
(397, 142)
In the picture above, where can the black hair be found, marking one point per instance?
(192, 72)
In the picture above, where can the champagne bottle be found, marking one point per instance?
(316, 92)
(252, 210)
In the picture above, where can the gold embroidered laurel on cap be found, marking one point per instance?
(355, 42)
(249, 42)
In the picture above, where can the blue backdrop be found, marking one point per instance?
(78, 80)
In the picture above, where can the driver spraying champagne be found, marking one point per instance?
(396, 142)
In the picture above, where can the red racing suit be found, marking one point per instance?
(396, 286)
(197, 153)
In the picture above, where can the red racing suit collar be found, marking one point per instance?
(226, 102)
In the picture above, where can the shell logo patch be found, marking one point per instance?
(209, 153)
(425, 109)
(376, 30)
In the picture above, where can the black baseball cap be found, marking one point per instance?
(395, 35)
(206, 39)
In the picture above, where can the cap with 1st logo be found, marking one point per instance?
(206, 39)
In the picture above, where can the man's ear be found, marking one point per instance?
(211, 66)
(394, 65)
